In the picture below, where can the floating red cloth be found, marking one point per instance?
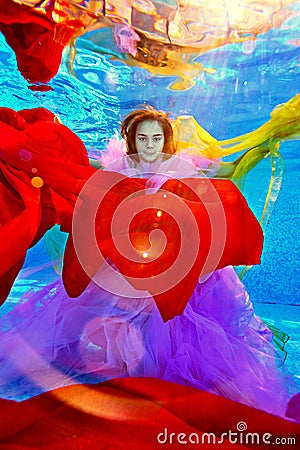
(134, 413)
(36, 39)
(212, 216)
(207, 225)
(34, 146)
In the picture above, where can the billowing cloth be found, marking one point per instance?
(39, 31)
(165, 38)
(207, 225)
(217, 345)
(139, 413)
(112, 329)
(43, 166)
(36, 39)
(283, 124)
(45, 169)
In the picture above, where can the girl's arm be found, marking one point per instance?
(95, 163)
(251, 158)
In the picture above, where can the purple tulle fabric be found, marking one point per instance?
(218, 344)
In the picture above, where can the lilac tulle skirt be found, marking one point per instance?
(218, 344)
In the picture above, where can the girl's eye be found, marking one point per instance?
(157, 139)
(141, 139)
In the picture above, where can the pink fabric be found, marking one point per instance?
(183, 165)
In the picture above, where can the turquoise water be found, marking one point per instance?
(239, 97)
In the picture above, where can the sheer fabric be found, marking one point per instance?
(49, 339)
(217, 344)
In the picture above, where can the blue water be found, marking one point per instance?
(236, 99)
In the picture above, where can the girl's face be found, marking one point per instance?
(149, 140)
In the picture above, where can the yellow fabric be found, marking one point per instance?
(284, 124)
(190, 136)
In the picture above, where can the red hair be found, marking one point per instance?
(131, 122)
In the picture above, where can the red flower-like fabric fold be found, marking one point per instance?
(161, 242)
(43, 166)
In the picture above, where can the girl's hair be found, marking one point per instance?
(131, 122)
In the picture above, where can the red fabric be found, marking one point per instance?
(239, 234)
(33, 145)
(20, 218)
(36, 39)
(134, 413)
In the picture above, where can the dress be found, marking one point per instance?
(217, 344)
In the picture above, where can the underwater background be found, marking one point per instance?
(95, 88)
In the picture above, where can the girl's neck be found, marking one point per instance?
(139, 162)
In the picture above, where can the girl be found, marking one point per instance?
(111, 330)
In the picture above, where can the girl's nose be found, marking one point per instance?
(149, 144)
